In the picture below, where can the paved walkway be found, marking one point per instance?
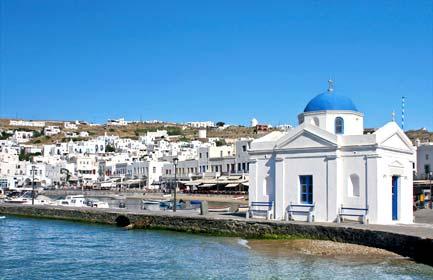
(424, 216)
(423, 228)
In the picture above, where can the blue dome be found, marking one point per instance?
(330, 101)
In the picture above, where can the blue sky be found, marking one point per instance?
(213, 60)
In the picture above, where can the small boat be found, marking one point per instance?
(169, 205)
(2, 217)
(26, 198)
(73, 201)
(151, 205)
(81, 201)
(97, 203)
(219, 209)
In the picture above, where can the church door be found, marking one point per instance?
(394, 198)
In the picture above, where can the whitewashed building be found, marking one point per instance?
(424, 160)
(52, 130)
(22, 136)
(27, 123)
(328, 161)
(201, 124)
(117, 122)
(69, 125)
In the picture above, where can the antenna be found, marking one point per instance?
(393, 116)
(330, 85)
(403, 101)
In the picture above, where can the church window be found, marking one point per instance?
(315, 121)
(267, 185)
(339, 125)
(353, 185)
(306, 183)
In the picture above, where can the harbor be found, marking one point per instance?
(413, 241)
(216, 140)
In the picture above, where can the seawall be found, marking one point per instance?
(409, 243)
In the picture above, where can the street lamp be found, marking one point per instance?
(430, 176)
(33, 184)
(175, 162)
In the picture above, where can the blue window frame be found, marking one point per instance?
(339, 125)
(306, 182)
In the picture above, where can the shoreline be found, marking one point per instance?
(408, 243)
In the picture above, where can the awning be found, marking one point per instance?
(192, 183)
(232, 185)
(133, 181)
(206, 185)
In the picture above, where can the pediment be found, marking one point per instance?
(396, 164)
(396, 141)
(305, 140)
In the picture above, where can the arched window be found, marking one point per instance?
(353, 185)
(315, 121)
(339, 125)
(267, 185)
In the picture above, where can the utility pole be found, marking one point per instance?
(175, 161)
(430, 175)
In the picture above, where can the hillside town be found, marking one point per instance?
(150, 162)
(202, 164)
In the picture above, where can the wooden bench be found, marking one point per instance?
(256, 207)
(353, 212)
(307, 209)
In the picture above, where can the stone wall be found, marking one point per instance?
(418, 248)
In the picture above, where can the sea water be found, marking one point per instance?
(52, 249)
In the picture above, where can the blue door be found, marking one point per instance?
(394, 198)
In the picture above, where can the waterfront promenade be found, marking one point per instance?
(414, 241)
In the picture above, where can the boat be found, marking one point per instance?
(218, 209)
(81, 201)
(195, 204)
(73, 201)
(20, 198)
(97, 203)
(2, 217)
(169, 205)
(151, 205)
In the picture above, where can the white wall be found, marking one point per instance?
(353, 121)
(424, 157)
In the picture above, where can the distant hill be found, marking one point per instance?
(132, 131)
(421, 134)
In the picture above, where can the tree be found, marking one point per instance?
(109, 148)
(37, 133)
(4, 135)
(23, 156)
(219, 124)
(220, 142)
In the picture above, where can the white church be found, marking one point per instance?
(328, 170)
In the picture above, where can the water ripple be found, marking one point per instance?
(47, 249)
